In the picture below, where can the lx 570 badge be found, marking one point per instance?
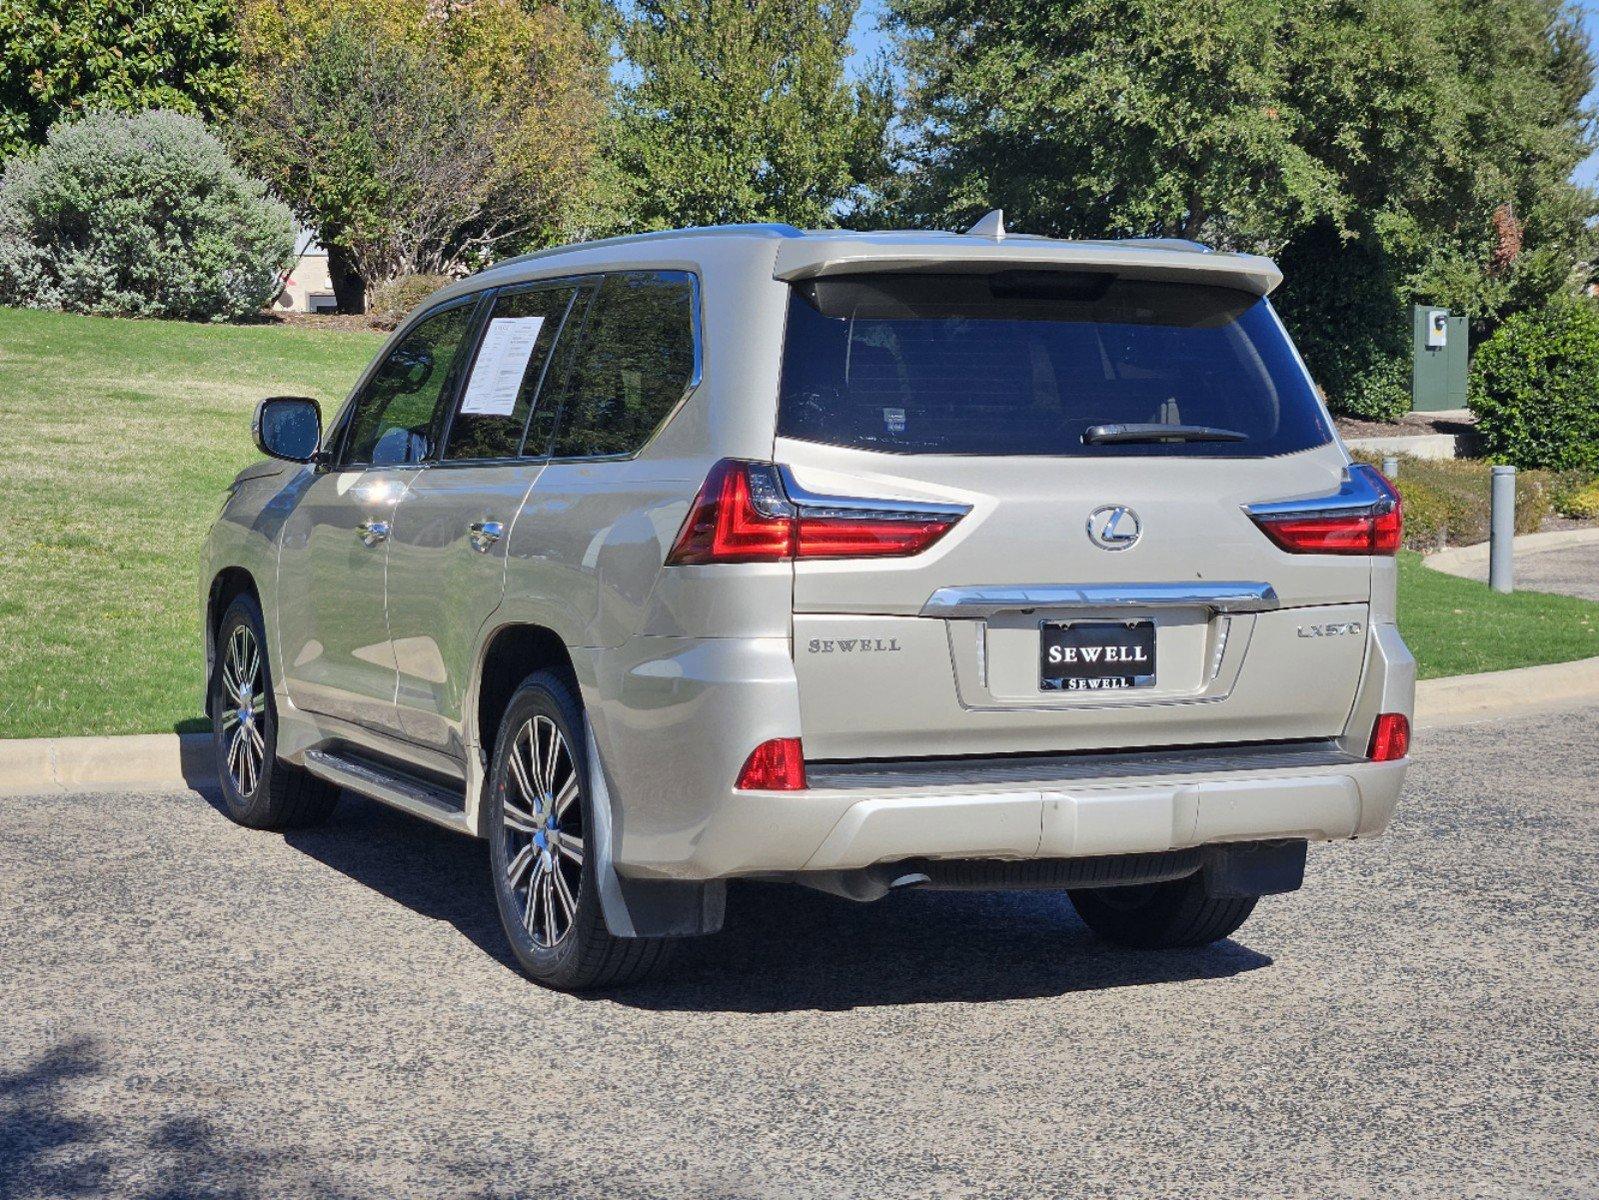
(1333, 629)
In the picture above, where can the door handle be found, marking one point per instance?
(483, 534)
(373, 532)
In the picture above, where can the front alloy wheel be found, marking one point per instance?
(258, 788)
(244, 715)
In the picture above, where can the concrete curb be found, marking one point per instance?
(1460, 560)
(33, 765)
(1416, 445)
(73, 764)
(1461, 699)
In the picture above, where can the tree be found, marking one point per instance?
(422, 139)
(1385, 150)
(60, 58)
(739, 110)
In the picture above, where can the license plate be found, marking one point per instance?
(1091, 656)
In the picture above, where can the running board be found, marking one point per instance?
(393, 786)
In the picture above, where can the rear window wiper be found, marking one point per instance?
(1110, 435)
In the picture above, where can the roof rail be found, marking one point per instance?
(769, 229)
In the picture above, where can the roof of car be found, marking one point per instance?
(803, 254)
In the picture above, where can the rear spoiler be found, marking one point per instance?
(854, 253)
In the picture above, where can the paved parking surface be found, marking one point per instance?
(191, 1009)
(1571, 570)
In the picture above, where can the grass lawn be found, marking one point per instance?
(116, 440)
(1458, 627)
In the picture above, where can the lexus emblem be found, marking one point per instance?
(1114, 527)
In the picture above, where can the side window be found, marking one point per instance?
(393, 422)
(632, 366)
(503, 385)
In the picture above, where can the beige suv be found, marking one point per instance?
(866, 561)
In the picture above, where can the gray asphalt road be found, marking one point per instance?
(1571, 570)
(189, 1008)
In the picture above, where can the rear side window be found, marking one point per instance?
(396, 420)
(504, 381)
(1042, 363)
(633, 364)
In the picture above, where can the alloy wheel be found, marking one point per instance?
(244, 720)
(543, 831)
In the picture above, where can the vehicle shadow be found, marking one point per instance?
(787, 948)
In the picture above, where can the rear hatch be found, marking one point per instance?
(1107, 586)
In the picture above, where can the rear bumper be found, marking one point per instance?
(675, 718)
(833, 829)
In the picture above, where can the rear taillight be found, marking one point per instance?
(774, 766)
(1390, 738)
(1363, 517)
(749, 512)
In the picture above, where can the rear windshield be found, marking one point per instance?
(1041, 362)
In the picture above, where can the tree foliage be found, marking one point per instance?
(1385, 150)
(423, 139)
(142, 215)
(62, 58)
(739, 110)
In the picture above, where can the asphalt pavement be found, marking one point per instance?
(1572, 570)
(188, 1008)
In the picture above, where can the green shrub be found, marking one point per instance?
(1449, 501)
(393, 301)
(1535, 387)
(1566, 489)
(142, 215)
(1378, 391)
(1581, 503)
(1433, 516)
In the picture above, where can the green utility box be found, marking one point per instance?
(1438, 360)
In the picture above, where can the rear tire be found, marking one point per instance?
(258, 789)
(540, 847)
(1161, 916)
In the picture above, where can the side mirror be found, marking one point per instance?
(288, 427)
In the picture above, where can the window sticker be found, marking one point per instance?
(501, 364)
(894, 419)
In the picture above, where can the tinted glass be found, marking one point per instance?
(634, 362)
(1030, 362)
(394, 420)
(503, 384)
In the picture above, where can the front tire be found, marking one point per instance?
(539, 825)
(1161, 916)
(258, 790)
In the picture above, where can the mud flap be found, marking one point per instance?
(1237, 870)
(643, 907)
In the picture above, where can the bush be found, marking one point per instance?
(1449, 501)
(1535, 388)
(393, 301)
(1431, 515)
(1581, 503)
(142, 215)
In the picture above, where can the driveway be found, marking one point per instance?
(1572, 570)
(192, 1009)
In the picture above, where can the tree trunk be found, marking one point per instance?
(349, 289)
